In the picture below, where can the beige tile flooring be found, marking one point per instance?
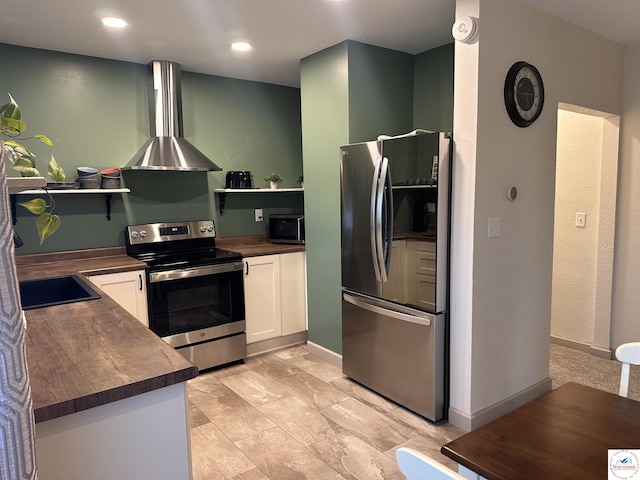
(289, 415)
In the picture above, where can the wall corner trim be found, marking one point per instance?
(325, 354)
(471, 422)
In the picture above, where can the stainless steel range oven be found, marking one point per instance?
(195, 290)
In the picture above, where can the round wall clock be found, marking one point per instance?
(523, 94)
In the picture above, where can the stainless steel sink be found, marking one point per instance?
(55, 291)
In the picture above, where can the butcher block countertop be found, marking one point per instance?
(256, 245)
(90, 353)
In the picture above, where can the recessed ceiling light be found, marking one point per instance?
(241, 46)
(113, 22)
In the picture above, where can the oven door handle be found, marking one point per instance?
(182, 273)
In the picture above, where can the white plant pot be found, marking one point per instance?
(273, 185)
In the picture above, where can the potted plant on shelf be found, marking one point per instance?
(24, 161)
(274, 179)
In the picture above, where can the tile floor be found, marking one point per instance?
(289, 415)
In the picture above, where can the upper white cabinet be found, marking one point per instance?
(128, 289)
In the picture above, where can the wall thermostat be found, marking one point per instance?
(465, 29)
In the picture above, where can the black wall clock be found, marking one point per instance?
(523, 93)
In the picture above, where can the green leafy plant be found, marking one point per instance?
(24, 161)
(273, 177)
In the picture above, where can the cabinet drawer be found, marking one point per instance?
(426, 246)
(426, 263)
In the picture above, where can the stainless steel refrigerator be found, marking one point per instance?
(395, 197)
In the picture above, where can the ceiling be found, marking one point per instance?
(197, 33)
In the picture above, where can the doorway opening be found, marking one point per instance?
(584, 228)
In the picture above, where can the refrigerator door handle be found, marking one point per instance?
(389, 313)
(388, 195)
(375, 220)
(380, 198)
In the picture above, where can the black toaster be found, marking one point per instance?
(237, 179)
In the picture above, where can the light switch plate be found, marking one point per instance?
(495, 226)
(259, 216)
(581, 220)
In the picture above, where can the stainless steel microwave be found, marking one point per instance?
(286, 229)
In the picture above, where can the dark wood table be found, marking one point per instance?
(564, 434)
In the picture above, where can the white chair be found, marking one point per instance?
(628, 354)
(416, 466)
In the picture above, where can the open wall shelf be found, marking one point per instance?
(222, 193)
(107, 192)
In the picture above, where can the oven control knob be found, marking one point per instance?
(143, 233)
(210, 228)
(134, 234)
(203, 229)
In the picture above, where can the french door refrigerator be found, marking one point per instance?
(395, 197)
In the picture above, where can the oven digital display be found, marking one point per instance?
(180, 230)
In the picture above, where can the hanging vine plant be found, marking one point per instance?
(24, 161)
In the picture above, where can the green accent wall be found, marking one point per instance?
(97, 113)
(380, 92)
(433, 89)
(325, 126)
(353, 92)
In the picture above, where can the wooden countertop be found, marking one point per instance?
(256, 245)
(90, 353)
(85, 354)
(565, 433)
(94, 261)
(420, 236)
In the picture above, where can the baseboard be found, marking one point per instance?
(276, 343)
(601, 352)
(565, 342)
(471, 422)
(325, 354)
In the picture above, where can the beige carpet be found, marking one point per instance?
(569, 365)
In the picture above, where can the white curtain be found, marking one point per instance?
(17, 453)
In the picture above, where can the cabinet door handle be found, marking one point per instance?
(139, 282)
(246, 272)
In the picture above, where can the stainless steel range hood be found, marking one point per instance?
(167, 149)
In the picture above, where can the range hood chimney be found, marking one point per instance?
(167, 149)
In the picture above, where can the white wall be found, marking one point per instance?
(626, 283)
(501, 306)
(579, 150)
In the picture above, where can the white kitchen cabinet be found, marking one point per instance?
(395, 288)
(120, 440)
(275, 295)
(422, 285)
(293, 292)
(262, 297)
(128, 289)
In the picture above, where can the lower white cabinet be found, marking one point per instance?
(421, 259)
(262, 297)
(141, 437)
(293, 292)
(275, 295)
(395, 288)
(128, 289)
